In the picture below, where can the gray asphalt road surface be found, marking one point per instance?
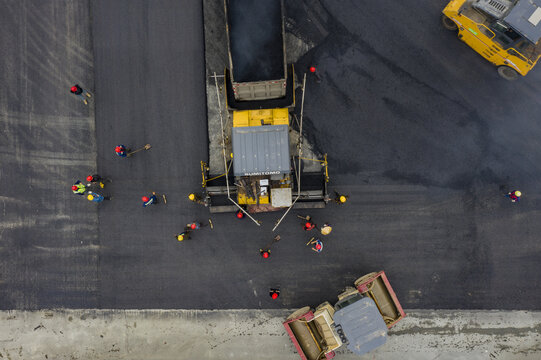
(420, 131)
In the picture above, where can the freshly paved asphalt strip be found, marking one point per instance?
(249, 334)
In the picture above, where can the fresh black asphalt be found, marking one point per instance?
(420, 131)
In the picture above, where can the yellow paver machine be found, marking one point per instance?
(257, 151)
(505, 32)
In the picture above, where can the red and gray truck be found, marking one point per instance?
(359, 320)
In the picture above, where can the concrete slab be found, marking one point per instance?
(254, 334)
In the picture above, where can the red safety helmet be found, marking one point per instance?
(193, 225)
(89, 178)
(318, 246)
(240, 215)
(118, 149)
(312, 69)
(145, 198)
(265, 254)
(74, 187)
(308, 224)
(274, 295)
(73, 88)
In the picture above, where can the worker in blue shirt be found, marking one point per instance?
(121, 150)
(150, 200)
(317, 245)
(95, 197)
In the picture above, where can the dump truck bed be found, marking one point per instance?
(257, 61)
(255, 40)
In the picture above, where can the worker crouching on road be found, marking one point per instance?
(514, 195)
(150, 200)
(326, 229)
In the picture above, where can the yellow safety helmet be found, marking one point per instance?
(231, 155)
(518, 193)
(90, 197)
(180, 237)
(191, 197)
(343, 199)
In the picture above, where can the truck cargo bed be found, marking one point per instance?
(256, 39)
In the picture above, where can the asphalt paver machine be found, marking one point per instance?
(505, 32)
(360, 320)
(257, 159)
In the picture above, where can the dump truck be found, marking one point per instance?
(257, 55)
(505, 32)
(257, 154)
(359, 319)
